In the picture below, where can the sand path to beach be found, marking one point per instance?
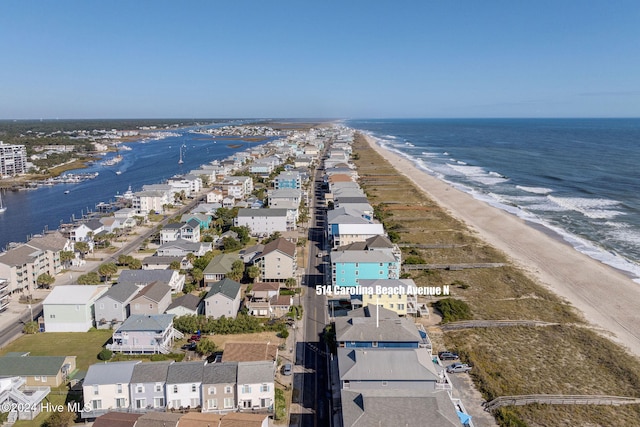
(608, 299)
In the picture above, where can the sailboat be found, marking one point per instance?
(180, 161)
(2, 207)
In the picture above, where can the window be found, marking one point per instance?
(193, 388)
(246, 388)
(96, 391)
(115, 305)
(227, 389)
(151, 306)
(357, 272)
(400, 306)
(212, 390)
(96, 404)
(102, 306)
(36, 378)
(264, 387)
(158, 402)
(390, 305)
(357, 264)
(384, 383)
(43, 379)
(228, 403)
(381, 272)
(264, 403)
(195, 402)
(212, 403)
(175, 388)
(159, 388)
(52, 316)
(119, 388)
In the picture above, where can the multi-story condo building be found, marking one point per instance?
(13, 160)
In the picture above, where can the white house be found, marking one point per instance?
(256, 389)
(70, 308)
(106, 387)
(150, 201)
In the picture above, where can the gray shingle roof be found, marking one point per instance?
(144, 277)
(155, 291)
(221, 264)
(386, 364)
(255, 372)
(110, 373)
(30, 365)
(226, 286)
(150, 372)
(265, 212)
(185, 372)
(146, 322)
(366, 329)
(121, 292)
(364, 408)
(220, 373)
(189, 301)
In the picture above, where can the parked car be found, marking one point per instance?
(286, 369)
(190, 346)
(458, 367)
(448, 355)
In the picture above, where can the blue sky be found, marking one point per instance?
(343, 59)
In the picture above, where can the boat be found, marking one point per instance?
(66, 192)
(2, 207)
(180, 161)
(118, 172)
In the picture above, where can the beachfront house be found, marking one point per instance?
(106, 387)
(112, 308)
(350, 231)
(184, 382)
(147, 385)
(349, 267)
(404, 302)
(219, 387)
(70, 308)
(144, 334)
(223, 299)
(256, 391)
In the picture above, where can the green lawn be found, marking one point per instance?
(84, 345)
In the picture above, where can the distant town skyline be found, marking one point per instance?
(79, 59)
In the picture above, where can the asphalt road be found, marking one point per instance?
(312, 352)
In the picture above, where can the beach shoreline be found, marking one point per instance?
(607, 298)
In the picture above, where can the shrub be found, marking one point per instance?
(105, 354)
(453, 309)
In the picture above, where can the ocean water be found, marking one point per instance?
(32, 212)
(577, 177)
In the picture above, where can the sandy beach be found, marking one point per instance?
(608, 299)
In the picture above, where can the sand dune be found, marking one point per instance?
(608, 299)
